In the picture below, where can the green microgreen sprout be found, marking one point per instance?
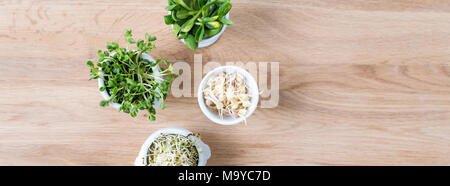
(195, 20)
(130, 79)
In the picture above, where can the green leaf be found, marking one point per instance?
(187, 26)
(116, 70)
(171, 7)
(224, 9)
(199, 34)
(130, 81)
(202, 3)
(226, 21)
(182, 14)
(133, 114)
(169, 78)
(100, 53)
(129, 37)
(90, 64)
(168, 20)
(205, 11)
(152, 117)
(133, 66)
(102, 88)
(190, 42)
(163, 106)
(112, 46)
(128, 33)
(181, 2)
(131, 40)
(182, 35)
(104, 103)
(140, 44)
(213, 25)
(173, 14)
(176, 29)
(150, 38)
(208, 19)
(206, 8)
(93, 76)
(210, 33)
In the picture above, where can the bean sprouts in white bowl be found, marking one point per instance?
(243, 98)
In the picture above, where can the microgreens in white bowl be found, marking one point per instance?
(173, 146)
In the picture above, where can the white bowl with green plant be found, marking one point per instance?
(130, 80)
(198, 23)
(173, 146)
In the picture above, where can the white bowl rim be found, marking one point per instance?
(199, 144)
(106, 95)
(253, 88)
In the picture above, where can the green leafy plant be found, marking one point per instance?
(195, 20)
(130, 79)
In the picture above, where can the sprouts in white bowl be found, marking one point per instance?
(172, 150)
(228, 95)
(173, 147)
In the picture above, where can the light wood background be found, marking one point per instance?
(361, 82)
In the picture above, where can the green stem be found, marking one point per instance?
(113, 96)
(181, 2)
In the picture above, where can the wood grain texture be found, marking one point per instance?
(361, 82)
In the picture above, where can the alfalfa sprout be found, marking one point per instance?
(172, 150)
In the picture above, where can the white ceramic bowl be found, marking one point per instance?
(106, 95)
(204, 155)
(209, 41)
(253, 92)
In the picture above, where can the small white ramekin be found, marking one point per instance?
(253, 92)
(106, 95)
(202, 148)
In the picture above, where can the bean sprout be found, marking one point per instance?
(227, 94)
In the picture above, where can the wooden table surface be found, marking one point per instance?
(361, 82)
